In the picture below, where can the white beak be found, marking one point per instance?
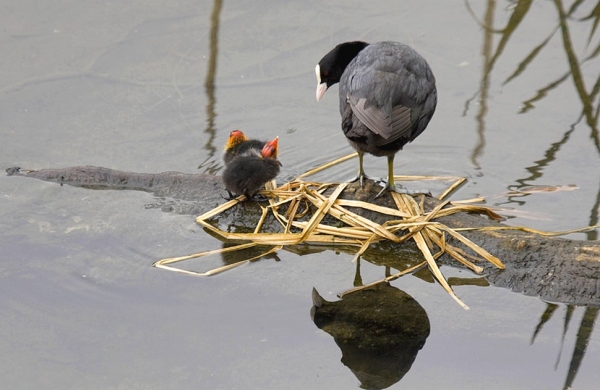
(321, 89)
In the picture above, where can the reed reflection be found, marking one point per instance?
(518, 14)
(582, 340)
(210, 165)
(588, 91)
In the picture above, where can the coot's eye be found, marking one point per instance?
(326, 73)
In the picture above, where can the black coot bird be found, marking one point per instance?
(248, 172)
(238, 144)
(387, 96)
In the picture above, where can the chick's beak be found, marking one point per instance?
(270, 149)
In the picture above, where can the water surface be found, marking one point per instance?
(147, 87)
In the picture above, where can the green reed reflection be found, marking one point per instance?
(582, 340)
(209, 165)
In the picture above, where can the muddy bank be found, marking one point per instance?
(554, 269)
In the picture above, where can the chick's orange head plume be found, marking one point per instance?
(270, 149)
(235, 137)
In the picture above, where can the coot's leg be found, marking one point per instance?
(391, 186)
(361, 172)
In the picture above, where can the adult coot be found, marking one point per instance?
(387, 96)
(238, 144)
(248, 172)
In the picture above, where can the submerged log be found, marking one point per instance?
(205, 191)
(555, 269)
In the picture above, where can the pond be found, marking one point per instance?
(147, 86)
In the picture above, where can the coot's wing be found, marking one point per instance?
(390, 126)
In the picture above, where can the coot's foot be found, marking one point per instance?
(251, 198)
(229, 196)
(400, 189)
(257, 198)
(361, 179)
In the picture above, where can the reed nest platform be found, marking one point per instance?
(553, 268)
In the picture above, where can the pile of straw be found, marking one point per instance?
(409, 221)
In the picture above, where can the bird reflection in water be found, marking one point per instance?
(380, 330)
